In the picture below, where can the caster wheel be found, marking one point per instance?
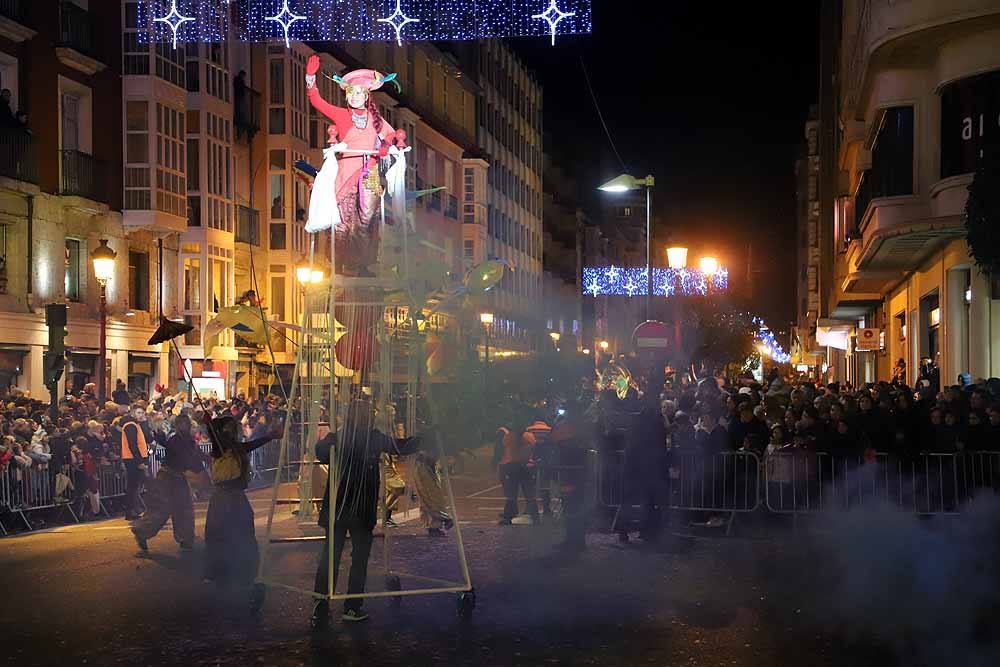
(623, 538)
(257, 595)
(466, 603)
(392, 583)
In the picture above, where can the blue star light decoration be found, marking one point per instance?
(770, 344)
(174, 19)
(285, 18)
(217, 21)
(617, 281)
(553, 15)
(398, 21)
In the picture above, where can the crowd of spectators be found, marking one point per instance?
(785, 413)
(48, 462)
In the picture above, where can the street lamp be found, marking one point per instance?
(308, 275)
(603, 345)
(677, 260)
(709, 267)
(103, 258)
(487, 321)
(555, 336)
(626, 183)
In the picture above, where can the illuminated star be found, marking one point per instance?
(612, 273)
(398, 20)
(593, 287)
(285, 18)
(630, 287)
(553, 15)
(174, 19)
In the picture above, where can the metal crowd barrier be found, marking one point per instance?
(27, 489)
(724, 482)
(609, 478)
(24, 490)
(800, 482)
(804, 482)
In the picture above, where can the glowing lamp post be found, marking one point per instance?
(555, 336)
(677, 260)
(626, 183)
(709, 267)
(486, 319)
(308, 275)
(103, 259)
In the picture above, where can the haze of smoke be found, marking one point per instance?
(926, 585)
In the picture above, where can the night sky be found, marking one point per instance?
(710, 98)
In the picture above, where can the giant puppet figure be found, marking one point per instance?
(363, 162)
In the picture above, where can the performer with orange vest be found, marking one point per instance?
(135, 455)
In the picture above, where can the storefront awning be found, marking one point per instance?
(834, 333)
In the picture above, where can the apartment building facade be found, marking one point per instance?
(509, 120)
(61, 191)
(915, 97)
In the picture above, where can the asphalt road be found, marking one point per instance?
(80, 595)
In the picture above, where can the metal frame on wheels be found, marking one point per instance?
(321, 383)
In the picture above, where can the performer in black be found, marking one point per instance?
(230, 539)
(356, 450)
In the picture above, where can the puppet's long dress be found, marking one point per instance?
(359, 184)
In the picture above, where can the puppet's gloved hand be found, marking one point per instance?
(311, 68)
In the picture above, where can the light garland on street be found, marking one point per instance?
(174, 19)
(345, 20)
(617, 281)
(398, 21)
(286, 18)
(769, 345)
(553, 15)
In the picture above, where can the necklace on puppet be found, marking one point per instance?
(360, 120)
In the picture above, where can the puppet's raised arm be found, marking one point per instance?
(321, 105)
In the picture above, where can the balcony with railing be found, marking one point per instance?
(18, 156)
(247, 225)
(14, 21)
(246, 112)
(919, 26)
(77, 45)
(83, 175)
(451, 211)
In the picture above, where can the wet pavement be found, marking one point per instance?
(81, 595)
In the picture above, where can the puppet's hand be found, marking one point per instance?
(313, 65)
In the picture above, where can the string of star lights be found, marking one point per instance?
(182, 21)
(376, 20)
(174, 20)
(630, 282)
(398, 21)
(553, 15)
(286, 18)
(768, 345)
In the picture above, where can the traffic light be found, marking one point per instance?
(54, 364)
(55, 358)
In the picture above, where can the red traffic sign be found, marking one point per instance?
(651, 336)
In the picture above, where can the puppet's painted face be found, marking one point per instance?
(357, 97)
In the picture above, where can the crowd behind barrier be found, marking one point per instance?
(809, 482)
(794, 447)
(74, 462)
